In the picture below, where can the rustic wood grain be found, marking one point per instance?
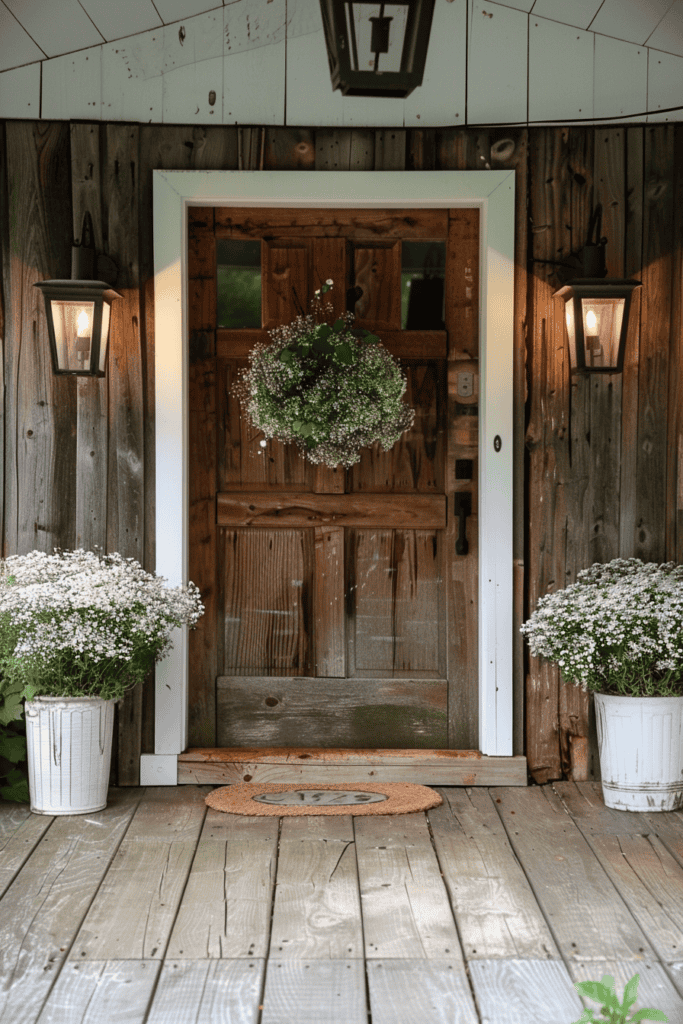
(103, 990)
(294, 511)
(674, 474)
(134, 910)
(202, 426)
(43, 908)
(315, 992)
(514, 990)
(431, 991)
(655, 342)
(494, 905)
(40, 437)
(236, 344)
(226, 906)
(406, 914)
(588, 918)
(195, 991)
(283, 709)
(255, 222)
(328, 600)
(267, 578)
(317, 908)
(20, 833)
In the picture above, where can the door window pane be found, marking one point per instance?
(238, 284)
(422, 286)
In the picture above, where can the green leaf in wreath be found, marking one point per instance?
(296, 426)
(323, 347)
(307, 429)
(372, 339)
(324, 331)
(345, 354)
(286, 355)
(304, 348)
(338, 325)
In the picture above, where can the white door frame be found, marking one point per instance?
(493, 192)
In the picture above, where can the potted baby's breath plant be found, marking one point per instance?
(77, 631)
(618, 633)
(330, 389)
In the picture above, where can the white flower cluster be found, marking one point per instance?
(331, 390)
(618, 629)
(79, 623)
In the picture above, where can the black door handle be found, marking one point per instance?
(462, 506)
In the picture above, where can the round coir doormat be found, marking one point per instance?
(284, 799)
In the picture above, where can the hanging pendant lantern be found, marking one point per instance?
(597, 311)
(78, 311)
(377, 49)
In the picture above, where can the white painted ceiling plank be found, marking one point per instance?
(254, 62)
(664, 86)
(16, 45)
(193, 69)
(310, 98)
(497, 64)
(254, 86)
(56, 31)
(669, 33)
(124, 18)
(632, 20)
(579, 13)
(440, 100)
(181, 10)
(620, 83)
(20, 92)
(72, 86)
(560, 71)
(519, 5)
(132, 80)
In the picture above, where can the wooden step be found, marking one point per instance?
(227, 765)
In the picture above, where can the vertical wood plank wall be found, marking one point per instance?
(598, 461)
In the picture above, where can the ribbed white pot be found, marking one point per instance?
(68, 741)
(640, 740)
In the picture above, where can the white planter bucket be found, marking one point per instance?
(641, 751)
(68, 741)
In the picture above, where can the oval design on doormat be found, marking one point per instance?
(253, 798)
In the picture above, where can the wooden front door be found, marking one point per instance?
(338, 611)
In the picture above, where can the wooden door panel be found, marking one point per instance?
(415, 463)
(267, 587)
(393, 714)
(395, 603)
(341, 615)
(285, 269)
(377, 270)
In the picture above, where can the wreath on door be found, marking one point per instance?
(330, 389)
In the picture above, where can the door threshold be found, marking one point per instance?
(224, 766)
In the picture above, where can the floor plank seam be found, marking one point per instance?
(67, 949)
(273, 897)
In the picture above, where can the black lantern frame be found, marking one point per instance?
(606, 300)
(80, 290)
(342, 49)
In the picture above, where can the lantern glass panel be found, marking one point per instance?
(602, 320)
(361, 29)
(73, 322)
(104, 338)
(571, 331)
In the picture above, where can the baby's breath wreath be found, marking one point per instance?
(332, 390)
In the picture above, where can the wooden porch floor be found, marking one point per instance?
(159, 910)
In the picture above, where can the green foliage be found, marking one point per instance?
(612, 1010)
(13, 765)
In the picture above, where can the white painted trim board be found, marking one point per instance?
(494, 193)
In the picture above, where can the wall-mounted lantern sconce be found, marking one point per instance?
(78, 311)
(596, 310)
(377, 49)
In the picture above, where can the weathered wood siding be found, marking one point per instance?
(598, 462)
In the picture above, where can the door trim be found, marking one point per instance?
(493, 192)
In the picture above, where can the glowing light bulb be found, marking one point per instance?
(591, 320)
(83, 324)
